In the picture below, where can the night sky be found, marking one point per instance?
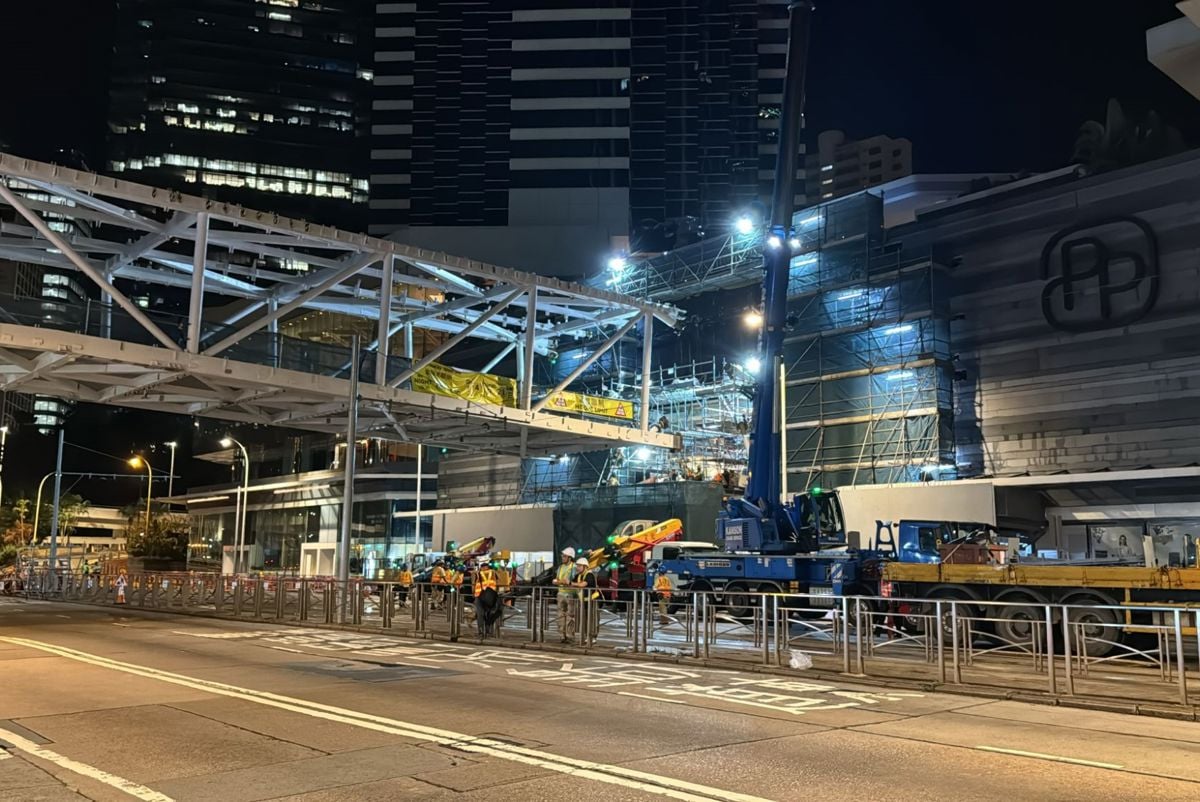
(975, 86)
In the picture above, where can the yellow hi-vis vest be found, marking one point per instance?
(485, 578)
(406, 579)
(564, 576)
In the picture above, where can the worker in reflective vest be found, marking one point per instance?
(439, 579)
(485, 578)
(567, 597)
(664, 589)
(405, 582)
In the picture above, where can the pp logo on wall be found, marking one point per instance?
(1100, 275)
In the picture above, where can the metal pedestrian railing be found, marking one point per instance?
(1135, 654)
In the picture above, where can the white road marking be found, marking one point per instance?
(1056, 758)
(582, 769)
(652, 698)
(83, 769)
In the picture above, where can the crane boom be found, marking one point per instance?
(763, 507)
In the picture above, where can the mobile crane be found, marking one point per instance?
(774, 544)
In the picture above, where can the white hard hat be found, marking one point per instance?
(581, 561)
(569, 551)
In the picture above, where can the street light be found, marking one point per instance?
(171, 476)
(137, 462)
(753, 319)
(239, 523)
(37, 507)
(3, 442)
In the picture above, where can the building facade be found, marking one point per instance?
(530, 127)
(260, 103)
(842, 167)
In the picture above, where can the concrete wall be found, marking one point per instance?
(527, 528)
(1038, 397)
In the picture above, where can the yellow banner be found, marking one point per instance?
(502, 391)
(480, 387)
(591, 405)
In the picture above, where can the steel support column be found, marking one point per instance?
(530, 344)
(343, 549)
(647, 352)
(196, 301)
(383, 338)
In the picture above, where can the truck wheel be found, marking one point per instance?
(1018, 623)
(955, 595)
(737, 600)
(1096, 626)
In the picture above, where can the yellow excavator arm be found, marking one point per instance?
(627, 545)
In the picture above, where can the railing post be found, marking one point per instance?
(1051, 672)
(635, 622)
(1179, 664)
(766, 629)
(954, 640)
(860, 664)
(844, 622)
(1068, 676)
(941, 642)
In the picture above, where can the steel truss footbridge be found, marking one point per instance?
(246, 271)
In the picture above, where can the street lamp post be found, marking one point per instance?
(239, 536)
(3, 443)
(138, 462)
(37, 507)
(171, 475)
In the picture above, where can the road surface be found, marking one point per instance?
(111, 704)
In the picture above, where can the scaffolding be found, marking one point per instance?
(707, 404)
(867, 363)
(711, 264)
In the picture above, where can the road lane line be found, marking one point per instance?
(652, 698)
(83, 769)
(1056, 758)
(582, 769)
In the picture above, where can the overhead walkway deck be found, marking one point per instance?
(247, 271)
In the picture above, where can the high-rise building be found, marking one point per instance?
(843, 167)
(547, 122)
(258, 102)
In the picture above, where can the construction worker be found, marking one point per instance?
(589, 611)
(567, 597)
(440, 580)
(404, 584)
(664, 589)
(485, 604)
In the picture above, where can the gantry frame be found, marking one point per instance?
(246, 271)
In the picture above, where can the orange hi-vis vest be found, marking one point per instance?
(662, 583)
(406, 579)
(439, 575)
(485, 578)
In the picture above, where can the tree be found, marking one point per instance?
(17, 529)
(167, 538)
(71, 507)
(1120, 142)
